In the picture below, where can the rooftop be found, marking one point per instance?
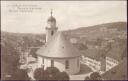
(58, 47)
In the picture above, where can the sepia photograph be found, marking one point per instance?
(64, 40)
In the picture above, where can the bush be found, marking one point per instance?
(40, 74)
(10, 61)
(51, 73)
(94, 76)
(87, 78)
(63, 76)
(20, 74)
(52, 70)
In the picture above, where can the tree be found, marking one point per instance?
(10, 61)
(52, 70)
(99, 41)
(40, 74)
(87, 78)
(53, 73)
(94, 76)
(63, 76)
(20, 74)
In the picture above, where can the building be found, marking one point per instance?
(51, 28)
(58, 51)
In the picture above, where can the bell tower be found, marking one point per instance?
(51, 28)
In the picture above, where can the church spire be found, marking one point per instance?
(51, 26)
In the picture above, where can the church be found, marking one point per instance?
(58, 51)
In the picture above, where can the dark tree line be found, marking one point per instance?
(94, 76)
(51, 73)
(10, 65)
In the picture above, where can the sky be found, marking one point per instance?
(31, 16)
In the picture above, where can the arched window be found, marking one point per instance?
(52, 63)
(52, 32)
(66, 64)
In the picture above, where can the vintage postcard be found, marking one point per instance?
(64, 40)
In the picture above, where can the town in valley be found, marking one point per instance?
(97, 52)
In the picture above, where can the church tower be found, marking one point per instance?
(51, 28)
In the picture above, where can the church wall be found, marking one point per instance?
(48, 33)
(51, 24)
(60, 64)
(39, 62)
(74, 68)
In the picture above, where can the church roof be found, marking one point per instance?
(58, 47)
(51, 19)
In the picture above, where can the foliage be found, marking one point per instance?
(40, 74)
(51, 73)
(94, 76)
(87, 78)
(10, 64)
(10, 61)
(63, 76)
(20, 74)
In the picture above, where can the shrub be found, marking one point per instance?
(40, 74)
(63, 76)
(94, 76)
(20, 74)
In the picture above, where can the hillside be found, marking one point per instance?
(19, 41)
(109, 39)
(117, 73)
(88, 39)
(92, 32)
(98, 37)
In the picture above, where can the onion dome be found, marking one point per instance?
(51, 18)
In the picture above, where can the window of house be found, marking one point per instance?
(52, 32)
(66, 64)
(52, 63)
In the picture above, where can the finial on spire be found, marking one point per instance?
(51, 12)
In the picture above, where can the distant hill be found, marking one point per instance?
(99, 36)
(21, 41)
(86, 37)
(98, 30)
(90, 41)
(117, 25)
